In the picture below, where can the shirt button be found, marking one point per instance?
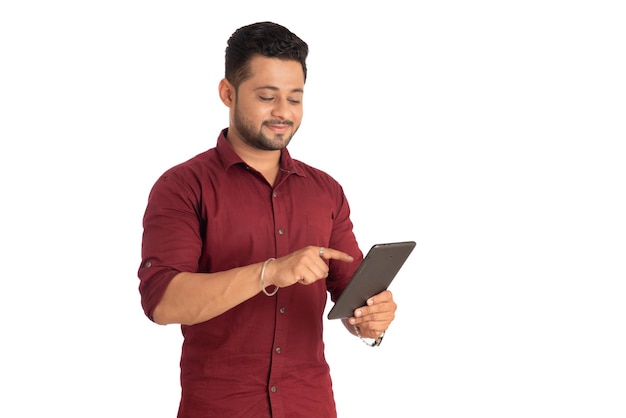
(281, 231)
(147, 264)
(274, 194)
(277, 350)
(282, 309)
(273, 388)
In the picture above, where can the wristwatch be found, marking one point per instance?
(376, 342)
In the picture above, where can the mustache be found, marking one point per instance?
(278, 122)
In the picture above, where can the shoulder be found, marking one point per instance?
(188, 176)
(317, 181)
(193, 167)
(313, 173)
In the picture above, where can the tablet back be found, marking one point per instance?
(377, 270)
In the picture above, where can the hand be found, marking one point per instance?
(304, 266)
(374, 318)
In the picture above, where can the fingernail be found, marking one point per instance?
(358, 313)
(370, 301)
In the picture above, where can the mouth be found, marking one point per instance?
(279, 128)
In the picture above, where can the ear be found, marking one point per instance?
(226, 92)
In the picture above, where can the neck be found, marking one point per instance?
(264, 161)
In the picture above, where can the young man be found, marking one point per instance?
(242, 242)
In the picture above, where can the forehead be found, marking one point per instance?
(275, 72)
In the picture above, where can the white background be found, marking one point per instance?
(490, 132)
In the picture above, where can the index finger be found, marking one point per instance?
(332, 254)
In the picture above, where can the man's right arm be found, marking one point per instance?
(191, 298)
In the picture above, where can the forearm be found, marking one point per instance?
(191, 298)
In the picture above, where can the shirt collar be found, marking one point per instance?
(229, 156)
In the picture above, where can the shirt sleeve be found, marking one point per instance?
(172, 240)
(343, 239)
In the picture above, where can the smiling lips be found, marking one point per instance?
(279, 128)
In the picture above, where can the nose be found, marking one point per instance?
(281, 109)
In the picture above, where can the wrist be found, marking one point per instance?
(372, 342)
(263, 284)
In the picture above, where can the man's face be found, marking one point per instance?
(268, 106)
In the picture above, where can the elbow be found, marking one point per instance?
(159, 321)
(164, 316)
(160, 317)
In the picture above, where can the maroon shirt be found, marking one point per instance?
(264, 357)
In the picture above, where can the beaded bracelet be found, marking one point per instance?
(376, 342)
(263, 278)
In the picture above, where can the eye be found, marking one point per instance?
(293, 101)
(266, 99)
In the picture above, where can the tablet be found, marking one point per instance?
(377, 270)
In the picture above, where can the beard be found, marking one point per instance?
(257, 139)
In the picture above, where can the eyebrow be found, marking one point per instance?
(274, 88)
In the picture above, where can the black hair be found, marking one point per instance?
(262, 38)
